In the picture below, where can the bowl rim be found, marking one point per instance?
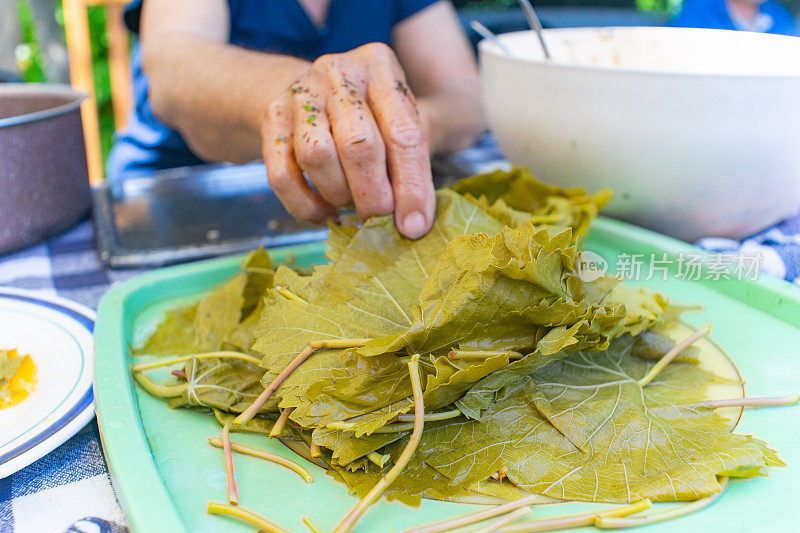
(54, 89)
(487, 48)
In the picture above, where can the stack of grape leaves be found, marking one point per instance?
(530, 376)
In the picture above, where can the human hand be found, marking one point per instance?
(352, 125)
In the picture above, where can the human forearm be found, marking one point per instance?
(217, 99)
(453, 119)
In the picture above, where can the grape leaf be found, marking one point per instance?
(346, 449)
(225, 318)
(370, 392)
(220, 383)
(368, 293)
(418, 480)
(581, 428)
(497, 272)
(173, 336)
(519, 191)
(517, 291)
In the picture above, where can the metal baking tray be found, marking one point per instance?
(193, 212)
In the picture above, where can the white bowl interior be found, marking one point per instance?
(697, 131)
(680, 50)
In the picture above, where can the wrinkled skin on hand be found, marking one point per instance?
(351, 124)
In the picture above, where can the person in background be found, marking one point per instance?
(345, 100)
(765, 16)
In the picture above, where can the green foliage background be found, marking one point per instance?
(33, 68)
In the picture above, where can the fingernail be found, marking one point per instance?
(414, 225)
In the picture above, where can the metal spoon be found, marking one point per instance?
(486, 33)
(535, 24)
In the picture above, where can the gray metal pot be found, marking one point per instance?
(43, 177)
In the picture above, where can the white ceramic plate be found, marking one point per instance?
(57, 334)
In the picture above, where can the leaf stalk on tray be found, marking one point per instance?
(474, 517)
(251, 411)
(588, 518)
(622, 522)
(673, 353)
(230, 467)
(754, 401)
(263, 454)
(504, 520)
(248, 516)
(353, 516)
(277, 429)
(169, 361)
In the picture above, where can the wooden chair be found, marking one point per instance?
(79, 48)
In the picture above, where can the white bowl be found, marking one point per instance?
(696, 131)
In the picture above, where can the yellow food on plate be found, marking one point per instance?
(17, 377)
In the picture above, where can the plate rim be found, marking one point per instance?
(80, 413)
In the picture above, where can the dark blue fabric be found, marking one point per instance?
(279, 26)
(6, 507)
(714, 14)
(79, 458)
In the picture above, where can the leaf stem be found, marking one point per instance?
(158, 389)
(755, 401)
(166, 361)
(348, 426)
(277, 429)
(467, 354)
(315, 450)
(504, 520)
(501, 474)
(396, 428)
(611, 522)
(587, 518)
(378, 459)
(673, 353)
(245, 515)
(431, 417)
(311, 525)
(289, 294)
(263, 454)
(349, 520)
(251, 411)
(230, 467)
(471, 518)
(338, 343)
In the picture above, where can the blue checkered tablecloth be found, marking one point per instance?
(69, 490)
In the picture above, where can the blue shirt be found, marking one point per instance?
(714, 14)
(278, 26)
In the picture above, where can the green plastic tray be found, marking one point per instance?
(164, 472)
